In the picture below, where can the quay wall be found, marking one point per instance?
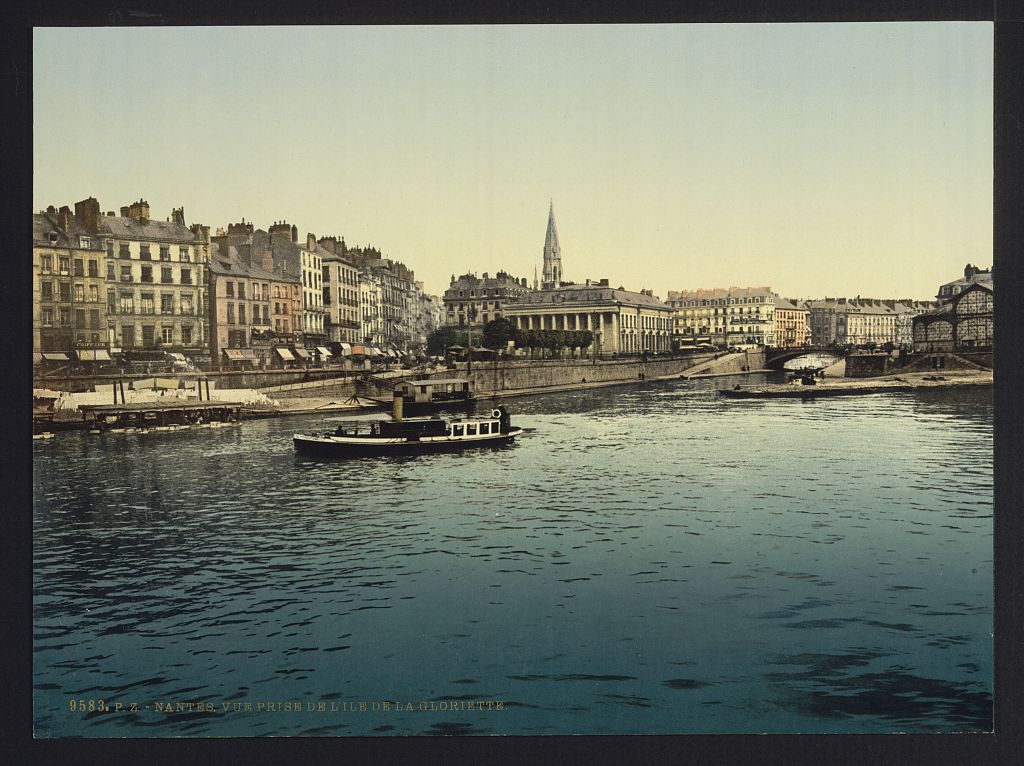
(551, 374)
(224, 379)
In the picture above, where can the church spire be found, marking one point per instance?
(552, 252)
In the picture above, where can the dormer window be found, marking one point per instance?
(53, 237)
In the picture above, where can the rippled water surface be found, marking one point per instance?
(649, 559)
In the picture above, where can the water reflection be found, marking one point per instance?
(647, 559)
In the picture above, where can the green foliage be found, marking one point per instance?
(554, 340)
(439, 340)
(498, 332)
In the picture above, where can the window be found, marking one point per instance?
(165, 253)
(126, 273)
(148, 335)
(229, 288)
(124, 252)
(166, 303)
(94, 267)
(80, 318)
(277, 293)
(183, 254)
(127, 303)
(231, 313)
(144, 253)
(63, 264)
(94, 318)
(146, 303)
(167, 333)
(457, 430)
(186, 305)
(186, 276)
(241, 313)
(65, 292)
(46, 291)
(79, 293)
(47, 318)
(485, 428)
(111, 302)
(165, 275)
(186, 335)
(65, 317)
(127, 335)
(94, 294)
(110, 272)
(46, 263)
(471, 429)
(79, 267)
(241, 290)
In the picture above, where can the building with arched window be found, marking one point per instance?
(963, 324)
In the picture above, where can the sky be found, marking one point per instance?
(818, 159)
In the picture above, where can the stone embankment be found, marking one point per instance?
(856, 386)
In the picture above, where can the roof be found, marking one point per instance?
(130, 228)
(719, 292)
(43, 225)
(788, 305)
(585, 295)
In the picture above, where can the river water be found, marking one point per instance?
(647, 559)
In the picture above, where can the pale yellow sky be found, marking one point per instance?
(819, 159)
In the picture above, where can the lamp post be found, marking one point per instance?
(471, 313)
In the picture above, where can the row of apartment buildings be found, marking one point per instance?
(106, 283)
(629, 322)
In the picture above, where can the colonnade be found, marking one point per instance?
(609, 332)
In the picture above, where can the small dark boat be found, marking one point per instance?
(431, 395)
(411, 436)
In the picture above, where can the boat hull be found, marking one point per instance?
(353, 447)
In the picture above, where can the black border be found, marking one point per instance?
(16, 660)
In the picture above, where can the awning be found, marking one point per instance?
(285, 354)
(374, 351)
(391, 352)
(36, 357)
(346, 349)
(234, 354)
(248, 353)
(324, 351)
(360, 350)
(176, 356)
(58, 356)
(302, 353)
(93, 355)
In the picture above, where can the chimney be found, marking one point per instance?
(49, 209)
(281, 229)
(137, 211)
(64, 218)
(295, 234)
(88, 214)
(310, 241)
(178, 215)
(268, 260)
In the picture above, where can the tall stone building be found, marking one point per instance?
(397, 287)
(553, 274)
(152, 279)
(738, 316)
(68, 285)
(341, 291)
(472, 301)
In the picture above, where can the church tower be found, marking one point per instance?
(552, 254)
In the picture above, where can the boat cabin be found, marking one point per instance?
(434, 391)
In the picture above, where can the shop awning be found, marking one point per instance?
(346, 349)
(302, 353)
(248, 353)
(360, 350)
(285, 354)
(391, 352)
(56, 356)
(93, 355)
(178, 357)
(234, 354)
(325, 352)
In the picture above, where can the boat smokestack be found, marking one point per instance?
(396, 407)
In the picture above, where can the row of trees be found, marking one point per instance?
(498, 332)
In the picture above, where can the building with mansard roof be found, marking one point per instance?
(622, 321)
(736, 316)
(471, 301)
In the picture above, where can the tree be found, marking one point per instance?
(439, 340)
(498, 332)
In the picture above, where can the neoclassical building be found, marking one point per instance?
(472, 301)
(622, 321)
